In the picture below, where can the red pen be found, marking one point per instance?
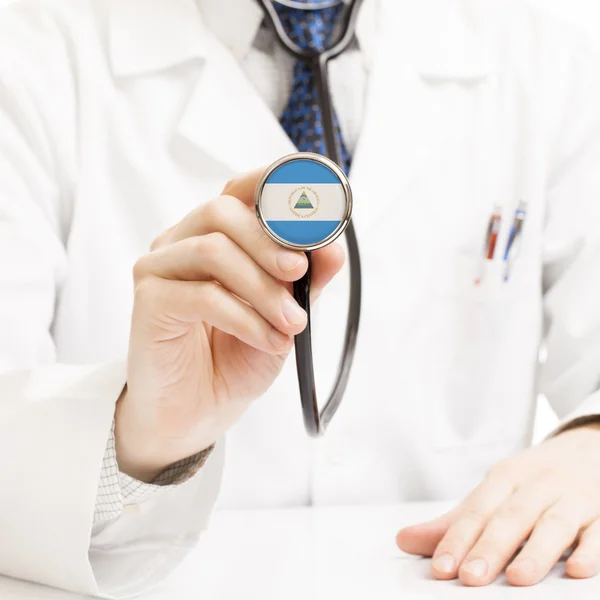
(491, 239)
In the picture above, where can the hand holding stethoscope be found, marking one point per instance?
(205, 342)
(304, 202)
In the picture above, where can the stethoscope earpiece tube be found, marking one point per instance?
(315, 205)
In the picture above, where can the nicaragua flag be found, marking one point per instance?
(303, 202)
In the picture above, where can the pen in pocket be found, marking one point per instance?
(491, 238)
(513, 243)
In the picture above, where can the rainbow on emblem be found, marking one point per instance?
(303, 202)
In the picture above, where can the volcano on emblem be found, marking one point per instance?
(304, 201)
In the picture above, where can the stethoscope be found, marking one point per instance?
(303, 201)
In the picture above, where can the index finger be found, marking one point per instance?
(233, 214)
(241, 187)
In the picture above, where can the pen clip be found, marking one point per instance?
(513, 243)
(491, 238)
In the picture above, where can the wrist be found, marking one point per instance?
(130, 458)
(143, 452)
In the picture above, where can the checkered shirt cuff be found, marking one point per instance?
(116, 489)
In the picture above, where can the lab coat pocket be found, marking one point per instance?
(469, 332)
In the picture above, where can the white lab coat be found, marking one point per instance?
(116, 119)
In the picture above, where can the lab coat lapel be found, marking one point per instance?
(226, 119)
(156, 36)
(410, 116)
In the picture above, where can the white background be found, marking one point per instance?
(584, 14)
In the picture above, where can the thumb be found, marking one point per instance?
(243, 186)
(423, 538)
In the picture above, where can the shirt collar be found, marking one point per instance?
(234, 22)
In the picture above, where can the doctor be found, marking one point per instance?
(124, 127)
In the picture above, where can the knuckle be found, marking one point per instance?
(146, 292)
(208, 247)
(230, 186)
(556, 519)
(548, 486)
(196, 245)
(157, 242)
(500, 471)
(219, 212)
(474, 516)
(211, 213)
(141, 268)
(215, 244)
(226, 201)
(509, 513)
(162, 239)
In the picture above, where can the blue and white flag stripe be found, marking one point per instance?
(303, 170)
(276, 205)
(303, 230)
(325, 208)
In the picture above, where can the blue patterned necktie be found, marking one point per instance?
(301, 119)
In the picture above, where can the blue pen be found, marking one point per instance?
(513, 243)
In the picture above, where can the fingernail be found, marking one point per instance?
(292, 312)
(444, 564)
(477, 568)
(526, 566)
(278, 340)
(288, 261)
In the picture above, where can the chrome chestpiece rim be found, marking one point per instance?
(303, 201)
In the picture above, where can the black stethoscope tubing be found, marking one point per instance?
(316, 421)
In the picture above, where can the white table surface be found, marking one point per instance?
(318, 554)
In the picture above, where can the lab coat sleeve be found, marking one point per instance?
(117, 490)
(55, 419)
(570, 377)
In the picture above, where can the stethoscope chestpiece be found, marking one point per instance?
(303, 201)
